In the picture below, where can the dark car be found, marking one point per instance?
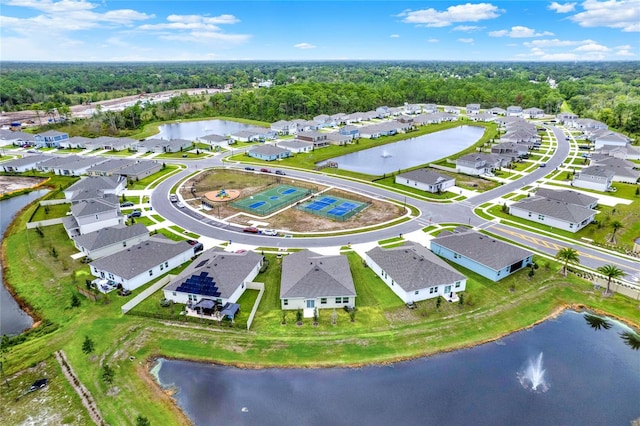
(124, 292)
(251, 229)
(127, 204)
(192, 242)
(280, 172)
(198, 247)
(136, 213)
(251, 169)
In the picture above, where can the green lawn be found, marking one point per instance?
(155, 178)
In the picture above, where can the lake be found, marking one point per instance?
(409, 153)
(194, 129)
(13, 320)
(591, 377)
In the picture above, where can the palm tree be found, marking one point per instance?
(611, 272)
(567, 255)
(616, 225)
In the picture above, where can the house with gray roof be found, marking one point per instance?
(99, 185)
(311, 280)
(598, 178)
(568, 196)
(164, 145)
(50, 139)
(245, 136)
(284, 127)
(69, 165)
(296, 145)
(483, 116)
(11, 137)
(567, 118)
(268, 152)
(25, 164)
(91, 215)
(337, 138)
(317, 138)
(215, 275)
(552, 212)
(479, 164)
(626, 152)
(141, 263)
(214, 140)
(111, 239)
(512, 150)
(491, 258)
(607, 137)
(140, 169)
(473, 109)
(533, 113)
(76, 142)
(426, 180)
(413, 273)
(514, 111)
(497, 111)
(109, 167)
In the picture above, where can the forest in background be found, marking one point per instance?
(607, 91)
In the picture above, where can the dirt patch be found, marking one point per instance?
(10, 184)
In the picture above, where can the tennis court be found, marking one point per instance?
(333, 207)
(272, 199)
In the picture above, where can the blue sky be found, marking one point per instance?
(88, 30)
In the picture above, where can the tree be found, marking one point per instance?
(107, 374)
(88, 346)
(611, 272)
(438, 303)
(142, 421)
(567, 255)
(75, 300)
(616, 225)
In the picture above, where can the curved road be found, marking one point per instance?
(460, 212)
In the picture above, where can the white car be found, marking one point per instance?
(180, 205)
(270, 232)
(173, 198)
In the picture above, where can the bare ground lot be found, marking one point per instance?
(15, 183)
(291, 219)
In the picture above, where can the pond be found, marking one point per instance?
(412, 152)
(13, 320)
(581, 376)
(194, 129)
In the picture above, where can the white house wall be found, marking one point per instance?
(547, 220)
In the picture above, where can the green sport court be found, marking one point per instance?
(272, 199)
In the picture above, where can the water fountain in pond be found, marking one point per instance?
(385, 154)
(532, 377)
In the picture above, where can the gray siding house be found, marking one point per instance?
(111, 239)
(426, 180)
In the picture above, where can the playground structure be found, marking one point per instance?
(222, 195)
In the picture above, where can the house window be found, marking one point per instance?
(323, 301)
(124, 244)
(285, 302)
(540, 217)
(111, 277)
(417, 292)
(174, 293)
(150, 272)
(529, 214)
(456, 255)
(571, 226)
(457, 284)
(161, 266)
(166, 264)
(338, 299)
(242, 286)
(345, 300)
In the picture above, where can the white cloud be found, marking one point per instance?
(562, 8)
(468, 28)
(49, 6)
(622, 14)
(395, 36)
(461, 13)
(433, 40)
(207, 37)
(555, 43)
(559, 57)
(592, 47)
(466, 40)
(222, 19)
(304, 46)
(519, 32)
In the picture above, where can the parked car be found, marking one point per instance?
(251, 169)
(135, 213)
(180, 205)
(127, 204)
(192, 242)
(543, 164)
(198, 248)
(280, 172)
(270, 232)
(265, 170)
(251, 229)
(124, 292)
(173, 198)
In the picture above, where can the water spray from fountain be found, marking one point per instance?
(533, 375)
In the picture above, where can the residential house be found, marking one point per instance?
(114, 144)
(214, 140)
(10, 137)
(588, 125)
(511, 150)
(382, 112)
(428, 109)
(50, 139)
(483, 116)
(268, 152)
(479, 164)
(426, 180)
(335, 138)
(245, 136)
(412, 109)
(305, 125)
(109, 167)
(567, 118)
(533, 113)
(318, 139)
(323, 120)
(24, 164)
(473, 109)
(284, 127)
(598, 178)
(624, 170)
(498, 111)
(568, 196)
(90, 215)
(310, 280)
(553, 212)
(296, 146)
(140, 169)
(491, 258)
(219, 276)
(530, 138)
(70, 165)
(97, 186)
(607, 137)
(163, 145)
(626, 152)
(452, 110)
(350, 130)
(141, 263)
(514, 111)
(111, 239)
(413, 273)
